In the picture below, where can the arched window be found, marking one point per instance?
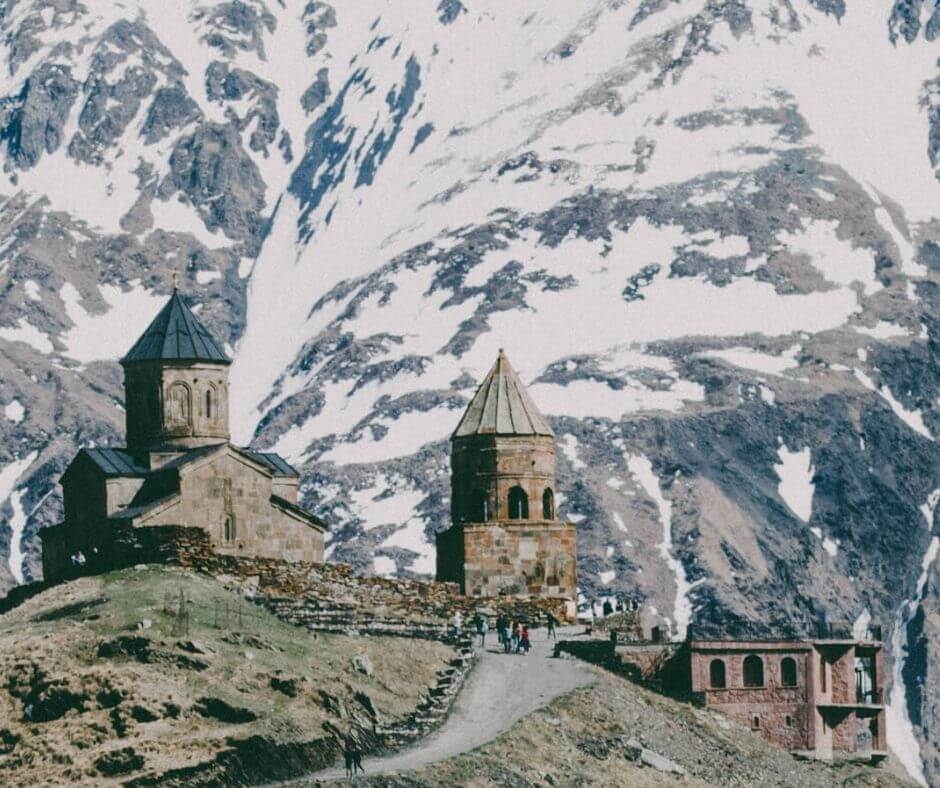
(716, 674)
(788, 672)
(178, 405)
(753, 671)
(518, 504)
(548, 504)
(228, 529)
(210, 410)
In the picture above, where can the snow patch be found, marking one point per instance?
(795, 470)
(912, 418)
(9, 476)
(24, 331)
(569, 447)
(107, 336)
(14, 411)
(642, 470)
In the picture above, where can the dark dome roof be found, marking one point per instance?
(176, 335)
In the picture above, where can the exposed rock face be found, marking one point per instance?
(726, 289)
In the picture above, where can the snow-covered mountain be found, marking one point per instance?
(707, 233)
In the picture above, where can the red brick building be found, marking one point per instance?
(822, 697)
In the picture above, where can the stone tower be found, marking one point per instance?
(175, 385)
(505, 537)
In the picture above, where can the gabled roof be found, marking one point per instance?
(176, 335)
(502, 406)
(298, 511)
(275, 462)
(114, 462)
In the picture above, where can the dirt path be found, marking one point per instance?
(501, 689)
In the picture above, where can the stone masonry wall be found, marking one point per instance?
(491, 465)
(520, 558)
(225, 486)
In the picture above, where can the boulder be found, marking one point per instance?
(363, 664)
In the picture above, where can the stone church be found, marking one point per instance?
(505, 537)
(178, 468)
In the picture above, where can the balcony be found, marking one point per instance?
(845, 630)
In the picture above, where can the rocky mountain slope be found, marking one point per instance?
(705, 231)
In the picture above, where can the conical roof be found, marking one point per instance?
(176, 335)
(502, 406)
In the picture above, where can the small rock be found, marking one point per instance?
(286, 686)
(193, 647)
(633, 750)
(218, 709)
(363, 664)
(119, 762)
(144, 624)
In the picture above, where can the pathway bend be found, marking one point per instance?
(501, 690)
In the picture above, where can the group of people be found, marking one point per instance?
(513, 635)
(609, 608)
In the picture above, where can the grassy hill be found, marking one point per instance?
(582, 739)
(102, 679)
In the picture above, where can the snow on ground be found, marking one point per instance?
(108, 335)
(618, 521)
(569, 447)
(175, 216)
(748, 358)
(901, 737)
(14, 411)
(383, 565)
(369, 228)
(591, 398)
(831, 547)
(912, 418)
(642, 470)
(24, 331)
(206, 276)
(614, 483)
(835, 259)
(31, 288)
(796, 487)
(883, 330)
(607, 577)
(388, 501)
(406, 435)
(412, 538)
(9, 476)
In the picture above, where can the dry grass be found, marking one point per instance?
(243, 648)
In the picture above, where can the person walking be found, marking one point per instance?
(514, 644)
(352, 754)
(507, 633)
(458, 623)
(551, 627)
(524, 643)
(483, 629)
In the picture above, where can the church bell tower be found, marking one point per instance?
(175, 385)
(505, 535)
